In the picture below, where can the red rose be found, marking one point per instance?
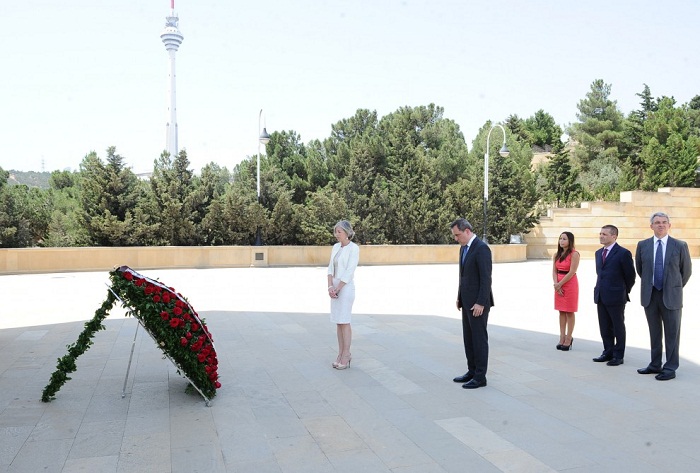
(158, 289)
(183, 341)
(175, 322)
(166, 297)
(201, 357)
(128, 276)
(140, 282)
(148, 290)
(217, 385)
(164, 315)
(179, 303)
(188, 335)
(194, 327)
(177, 310)
(213, 376)
(156, 298)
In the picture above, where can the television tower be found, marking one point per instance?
(172, 38)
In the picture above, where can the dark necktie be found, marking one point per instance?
(465, 248)
(605, 254)
(659, 267)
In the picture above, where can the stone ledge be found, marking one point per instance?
(58, 260)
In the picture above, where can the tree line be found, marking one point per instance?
(400, 179)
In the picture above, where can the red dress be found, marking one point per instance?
(568, 301)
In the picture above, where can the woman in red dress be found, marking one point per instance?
(566, 288)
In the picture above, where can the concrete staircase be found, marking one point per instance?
(631, 216)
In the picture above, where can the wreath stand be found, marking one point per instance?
(207, 401)
(133, 313)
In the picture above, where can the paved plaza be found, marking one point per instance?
(283, 408)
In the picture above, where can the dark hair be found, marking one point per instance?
(462, 224)
(613, 229)
(561, 253)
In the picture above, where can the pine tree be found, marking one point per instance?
(562, 178)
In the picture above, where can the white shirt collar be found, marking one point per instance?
(469, 243)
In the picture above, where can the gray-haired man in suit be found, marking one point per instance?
(665, 266)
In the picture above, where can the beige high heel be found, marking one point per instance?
(336, 362)
(341, 366)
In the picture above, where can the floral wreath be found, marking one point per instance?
(170, 320)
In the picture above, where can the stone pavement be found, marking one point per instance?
(282, 408)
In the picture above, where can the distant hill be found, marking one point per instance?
(29, 178)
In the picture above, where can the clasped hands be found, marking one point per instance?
(558, 289)
(333, 292)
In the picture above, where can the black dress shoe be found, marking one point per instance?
(615, 362)
(648, 370)
(663, 376)
(602, 358)
(464, 378)
(473, 384)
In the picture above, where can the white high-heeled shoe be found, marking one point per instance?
(341, 366)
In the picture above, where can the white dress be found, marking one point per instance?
(342, 267)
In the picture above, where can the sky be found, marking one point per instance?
(81, 75)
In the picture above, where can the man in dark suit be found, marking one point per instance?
(474, 299)
(615, 270)
(664, 265)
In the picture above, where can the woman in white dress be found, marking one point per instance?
(341, 288)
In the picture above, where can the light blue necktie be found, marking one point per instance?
(659, 267)
(464, 253)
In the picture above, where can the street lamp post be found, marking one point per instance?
(503, 152)
(263, 138)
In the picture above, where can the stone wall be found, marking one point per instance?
(57, 260)
(631, 215)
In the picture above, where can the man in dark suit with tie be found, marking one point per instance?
(474, 299)
(615, 270)
(664, 265)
